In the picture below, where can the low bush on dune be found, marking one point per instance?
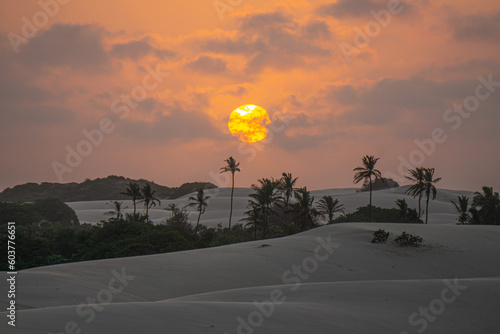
(379, 215)
(380, 236)
(408, 239)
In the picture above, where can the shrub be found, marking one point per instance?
(406, 239)
(380, 236)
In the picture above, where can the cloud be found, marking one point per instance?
(174, 122)
(208, 64)
(137, 49)
(477, 27)
(66, 45)
(273, 40)
(347, 8)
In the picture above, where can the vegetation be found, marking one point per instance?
(328, 206)
(49, 232)
(405, 239)
(379, 184)
(366, 173)
(101, 189)
(200, 202)
(380, 236)
(231, 166)
(378, 215)
(485, 208)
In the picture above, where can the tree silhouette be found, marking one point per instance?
(489, 205)
(429, 188)
(303, 208)
(117, 209)
(366, 172)
(134, 191)
(417, 189)
(328, 206)
(287, 186)
(200, 202)
(231, 166)
(266, 194)
(149, 200)
(462, 207)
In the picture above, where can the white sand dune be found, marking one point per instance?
(441, 210)
(344, 284)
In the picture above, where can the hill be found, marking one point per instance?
(109, 188)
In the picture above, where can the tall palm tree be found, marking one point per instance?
(117, 209)
(231, 166)
(303, 208)
(417, 189)
(462, 207)
(489, 205)
(327, 205)
(266, 194)
(287, 186)
(429, 188)
(149, 200)
(133, 190)
(200, 202)
(367, 172)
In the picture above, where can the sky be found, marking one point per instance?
(145, 89)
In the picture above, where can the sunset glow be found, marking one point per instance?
(248, 123)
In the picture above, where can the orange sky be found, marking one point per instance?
(328, 110)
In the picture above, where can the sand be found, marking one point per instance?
(326, 280)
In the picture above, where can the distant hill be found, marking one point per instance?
(109, 188)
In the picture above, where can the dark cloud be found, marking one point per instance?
(346, 8)
(484, 28)
(237, 91)
(66, 45)
(272, 40)
(208, 64)
(359, 8)
(138, 49)
(178, 123)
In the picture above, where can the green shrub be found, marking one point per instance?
(406, 239)
(380, 236)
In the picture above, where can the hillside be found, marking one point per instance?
(109, 188)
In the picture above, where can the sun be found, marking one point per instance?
(248, 123)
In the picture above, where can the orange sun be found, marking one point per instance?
(248, 123)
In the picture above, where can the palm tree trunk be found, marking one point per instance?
(370, 206)
(197, 223)
(231, 208)
(427, 210)
(134, 207)
(419, 206)
(147, 221)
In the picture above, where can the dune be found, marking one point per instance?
(326, 280)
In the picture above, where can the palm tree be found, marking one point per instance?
(200, 202)
(403, 208)
(173, 208)
(366, 173)
(417, 189)
(462, 207)
(133, 190)
(303, 208)
(117, 209)
(264, 197)
(253, 217)
(429, 188)
(489, 205)
(232, 166)
(287, 186)
(149, 200)
(329, 206)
